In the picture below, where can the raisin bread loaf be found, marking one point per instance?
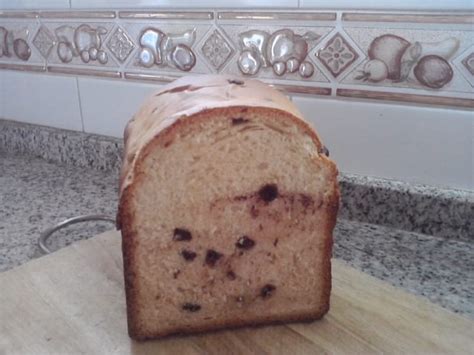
(227, 206)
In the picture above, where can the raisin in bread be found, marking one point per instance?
(227, 206)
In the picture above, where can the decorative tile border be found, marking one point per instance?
(166, 15)
(18, 14)
(306, 90)
(82, 71)
(411, 98)
(78, 14)
(23, 67)
(282, 16)
(416, 18)
(337, 55)
(426, 58)
(150, 77)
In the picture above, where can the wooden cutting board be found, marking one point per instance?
(73, 302)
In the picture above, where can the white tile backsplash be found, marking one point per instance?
(412, 143)
(183, 3)
(409, 143)
(40, 99)
(33, 4)
(108, 105)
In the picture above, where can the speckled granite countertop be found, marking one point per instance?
(35, 194)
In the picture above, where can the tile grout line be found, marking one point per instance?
(80, 103)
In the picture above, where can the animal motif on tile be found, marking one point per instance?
(395, 59)
(14, 42)
(84, 41)
(283, 50)
(167, 49)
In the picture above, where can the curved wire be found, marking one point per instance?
(79, 219)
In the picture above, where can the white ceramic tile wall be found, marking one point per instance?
(409, 143)
(34, 4)
(40, 99)
(107, 105)
(415, 144)
(390, 4)
(182, 3)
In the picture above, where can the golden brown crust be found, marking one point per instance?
(332, 208)
(128, 252)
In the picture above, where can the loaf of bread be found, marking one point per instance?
(227, 205)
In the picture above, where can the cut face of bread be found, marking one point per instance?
(227, 217)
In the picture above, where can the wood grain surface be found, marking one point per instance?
(72, 302)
